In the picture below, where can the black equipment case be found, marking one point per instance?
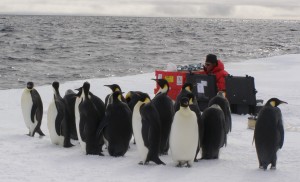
(241, 94)
(205, 88)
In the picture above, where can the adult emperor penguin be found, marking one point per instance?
(87, 121)
(146, 129)
(165, 108)
(269, 133)
(185, 89)
(32, 109)
(214, 132)
(221, 100)
(114, 88)
(117, 128)
(58, 121)
(132, 97)
(184, 135)
(195, 107)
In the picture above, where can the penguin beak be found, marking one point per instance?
(283, 102)
(78, 89)
(154, 79)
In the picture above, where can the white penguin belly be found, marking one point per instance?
(51, 116)
(184, 137)
(77, 120)
(137, 131)
(26, 104)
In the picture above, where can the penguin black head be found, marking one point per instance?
(144, 97)
(79, 91)
(187, 86)
(184, 102)
(86, 88)
(114, 87)
(163, 84)
(190, 97)
(30, 85)
(128, 96)
(132, 94)
(274, 102)
(117, 95)
(55, 85)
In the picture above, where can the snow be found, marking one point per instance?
(34, 159)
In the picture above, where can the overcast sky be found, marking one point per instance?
(253, 9)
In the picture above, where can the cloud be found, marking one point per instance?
(279, 9)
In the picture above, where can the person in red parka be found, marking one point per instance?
(216, 67)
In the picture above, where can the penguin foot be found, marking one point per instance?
(196, 160)
(179, 165)
(188, 165)
(143, 163)
(263, 167)
(159, 162)
(69, 145)
(273, 168)
(39, 131)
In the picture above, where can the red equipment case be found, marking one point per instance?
(175, 79)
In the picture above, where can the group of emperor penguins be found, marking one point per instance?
(158, 125)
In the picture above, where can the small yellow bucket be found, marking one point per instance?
(251, 122)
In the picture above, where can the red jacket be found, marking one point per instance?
(220, 75)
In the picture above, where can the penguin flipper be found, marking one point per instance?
(154, 158)
(101, 127)
(59, 120)
(39, 131)
(228, 119)
(281, 131)
(33, 111)
(81, 130)
(145, 133)
(37, 107)
(225, 133)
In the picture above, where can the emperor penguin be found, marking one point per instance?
(32, 109)
(195, 107)
(269, 133)
(186, 88)
(184, 135)
(58, 119)
(165, 108)
(70, 99)
(132, 97)
(214, 132)
(222, 101)
(114, 88)
(147, 130)
(87, 121)
(117, 130)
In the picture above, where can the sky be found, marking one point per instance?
(35, 159)
(245, 9)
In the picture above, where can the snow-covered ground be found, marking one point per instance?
(24, 158)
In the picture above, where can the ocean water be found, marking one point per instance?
(44, 49)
